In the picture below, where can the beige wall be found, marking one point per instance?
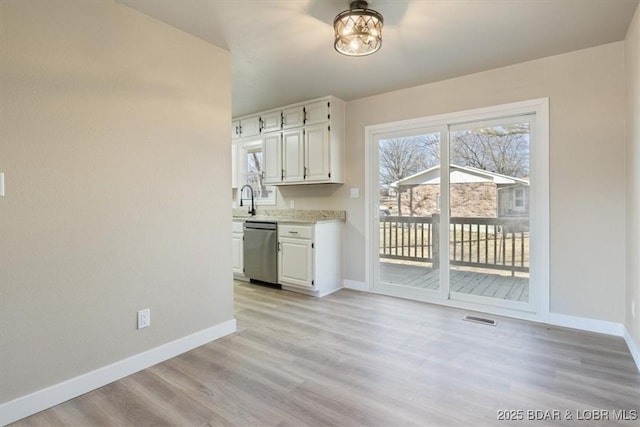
(114, 143)
(587, 195)
(632, 48)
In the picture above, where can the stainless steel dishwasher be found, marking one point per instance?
(261, 251)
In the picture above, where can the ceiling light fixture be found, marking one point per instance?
(358, 31)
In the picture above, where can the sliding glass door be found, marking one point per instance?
(452, 209)
(489, 233)
(409, 211)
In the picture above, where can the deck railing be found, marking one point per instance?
(494, 243)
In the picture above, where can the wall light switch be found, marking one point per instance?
(355, 193)
(1, 184)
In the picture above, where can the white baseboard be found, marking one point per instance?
(329, 292)
(42, 399)
(600, 326)
(586, 324)
(633, 348)
(355, 285)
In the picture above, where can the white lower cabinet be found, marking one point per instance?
(295, 244)
(310, 258)
(237, 248)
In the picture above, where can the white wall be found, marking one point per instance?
(632, 49)
(587, 195)
(114, 141)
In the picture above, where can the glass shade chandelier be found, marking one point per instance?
(358, 31)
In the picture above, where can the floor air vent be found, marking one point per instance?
(481, 320)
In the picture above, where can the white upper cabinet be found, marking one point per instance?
(271, 122)
(310, 147)
(293, 155)
(293, 117)
(317, 151)
(272, 158)
(317, 112)
(249, 126)
(235, 129)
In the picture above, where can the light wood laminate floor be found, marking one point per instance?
(354, 358)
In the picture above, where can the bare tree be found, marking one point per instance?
(500, 149)
(255, 177)
(402, 157)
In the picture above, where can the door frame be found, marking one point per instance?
(538, 309)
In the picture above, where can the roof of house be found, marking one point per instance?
(459, 175)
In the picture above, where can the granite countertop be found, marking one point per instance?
(294, 216)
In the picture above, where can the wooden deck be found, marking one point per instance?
(484, 284)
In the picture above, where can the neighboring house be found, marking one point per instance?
(474, 193)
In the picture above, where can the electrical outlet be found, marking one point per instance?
(292, 204)
(144, 318)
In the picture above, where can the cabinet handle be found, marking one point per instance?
(305, 172)
(293, 232)
(304, 116)
(283, 175)
(260, 124)
(279, 247)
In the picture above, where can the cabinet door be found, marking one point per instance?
(317, 153)
(272, 158)
(235, 129)
(237, 253)
(317, 112)
(271, 121)
(296, 262)
(293, 156)
(293, 118)
(250, 126)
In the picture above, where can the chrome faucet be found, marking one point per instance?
(252, 210)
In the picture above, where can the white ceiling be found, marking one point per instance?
(282, 50)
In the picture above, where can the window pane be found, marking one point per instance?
(489, 234)
(255, 177)
(409, 183)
